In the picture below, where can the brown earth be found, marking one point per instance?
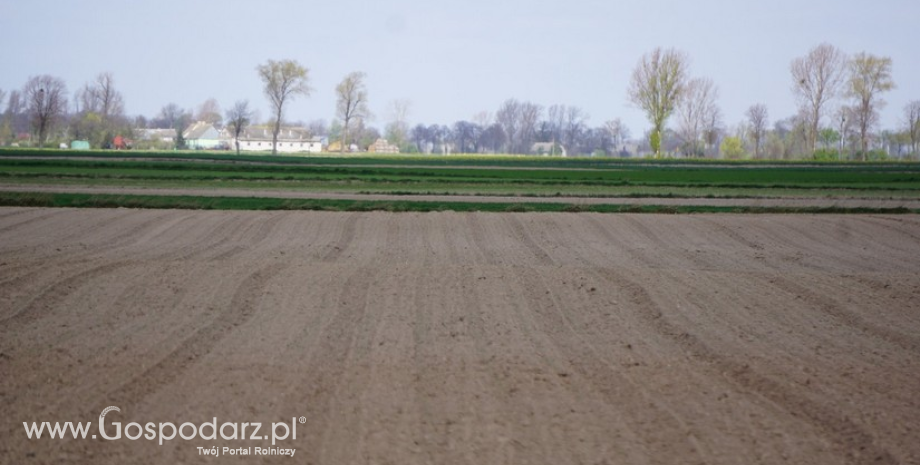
(446, 338)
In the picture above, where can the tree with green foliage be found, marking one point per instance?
(283, 81)
(829, 138)
(732, 148)
(657, 85)
(351, 103)
(870, 75)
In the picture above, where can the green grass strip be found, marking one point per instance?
(62, 200)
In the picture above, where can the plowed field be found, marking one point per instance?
(448, 338)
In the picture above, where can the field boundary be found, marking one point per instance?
(200, 202)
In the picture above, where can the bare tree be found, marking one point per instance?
(238, 117)
(172, 116)
(84, 100)
(697, 113)
(817, 78)
(845, 117)
(318, 127)
(420, 136)
(2, 96)
(518, 121)
(483, 119)
(555, 118)
(618, 133)
(111, 102)
(713, 131)
(508, 117)
(574, 126)
(530, 117)
(351, 102)
(657, 85)
(912, 117)
(46, 98)
(869, 76)
(14, 105)
(759, 120)
(283, 81)
(397, 128)
(209, 112)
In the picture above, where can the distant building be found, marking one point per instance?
(382, 146)
(161, 135)
(336, 146)
(548, 148)
(201, 136)
(290, 140)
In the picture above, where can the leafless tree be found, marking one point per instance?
(758, 120)
(845, 118)
(657, 86)
(555, 117)
(15, 114)
(573, 126)
(817, 78)
(483, 119)
(869, 76)
(912, 118)
(283, 81)
(696, 113)
(318, 127)
(84, 100)
(508, 117)
(14, 105)
(2, 97)
(46, 98)
(111, 102)
(518, 121)
(172, 116)
(713, 131)
(618, 132)
(238, 117)
(530, 116)
(209, 112)
(398, 117)
(351, 103)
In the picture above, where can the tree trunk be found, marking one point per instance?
(344, 137)
(276, 131)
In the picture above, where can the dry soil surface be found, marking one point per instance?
(446, 338)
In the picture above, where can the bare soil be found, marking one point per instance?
(446, 338)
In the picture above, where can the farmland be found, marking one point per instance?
(406, 177)
(450, 337)
(458, 310)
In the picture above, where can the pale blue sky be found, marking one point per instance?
(453, 59)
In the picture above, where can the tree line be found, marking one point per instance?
(662, 87)
(839, 98)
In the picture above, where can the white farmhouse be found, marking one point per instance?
(290, 140)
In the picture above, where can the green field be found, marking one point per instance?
(459, 175)
(464, 175)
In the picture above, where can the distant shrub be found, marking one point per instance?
(877, 155)
(826, 155)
